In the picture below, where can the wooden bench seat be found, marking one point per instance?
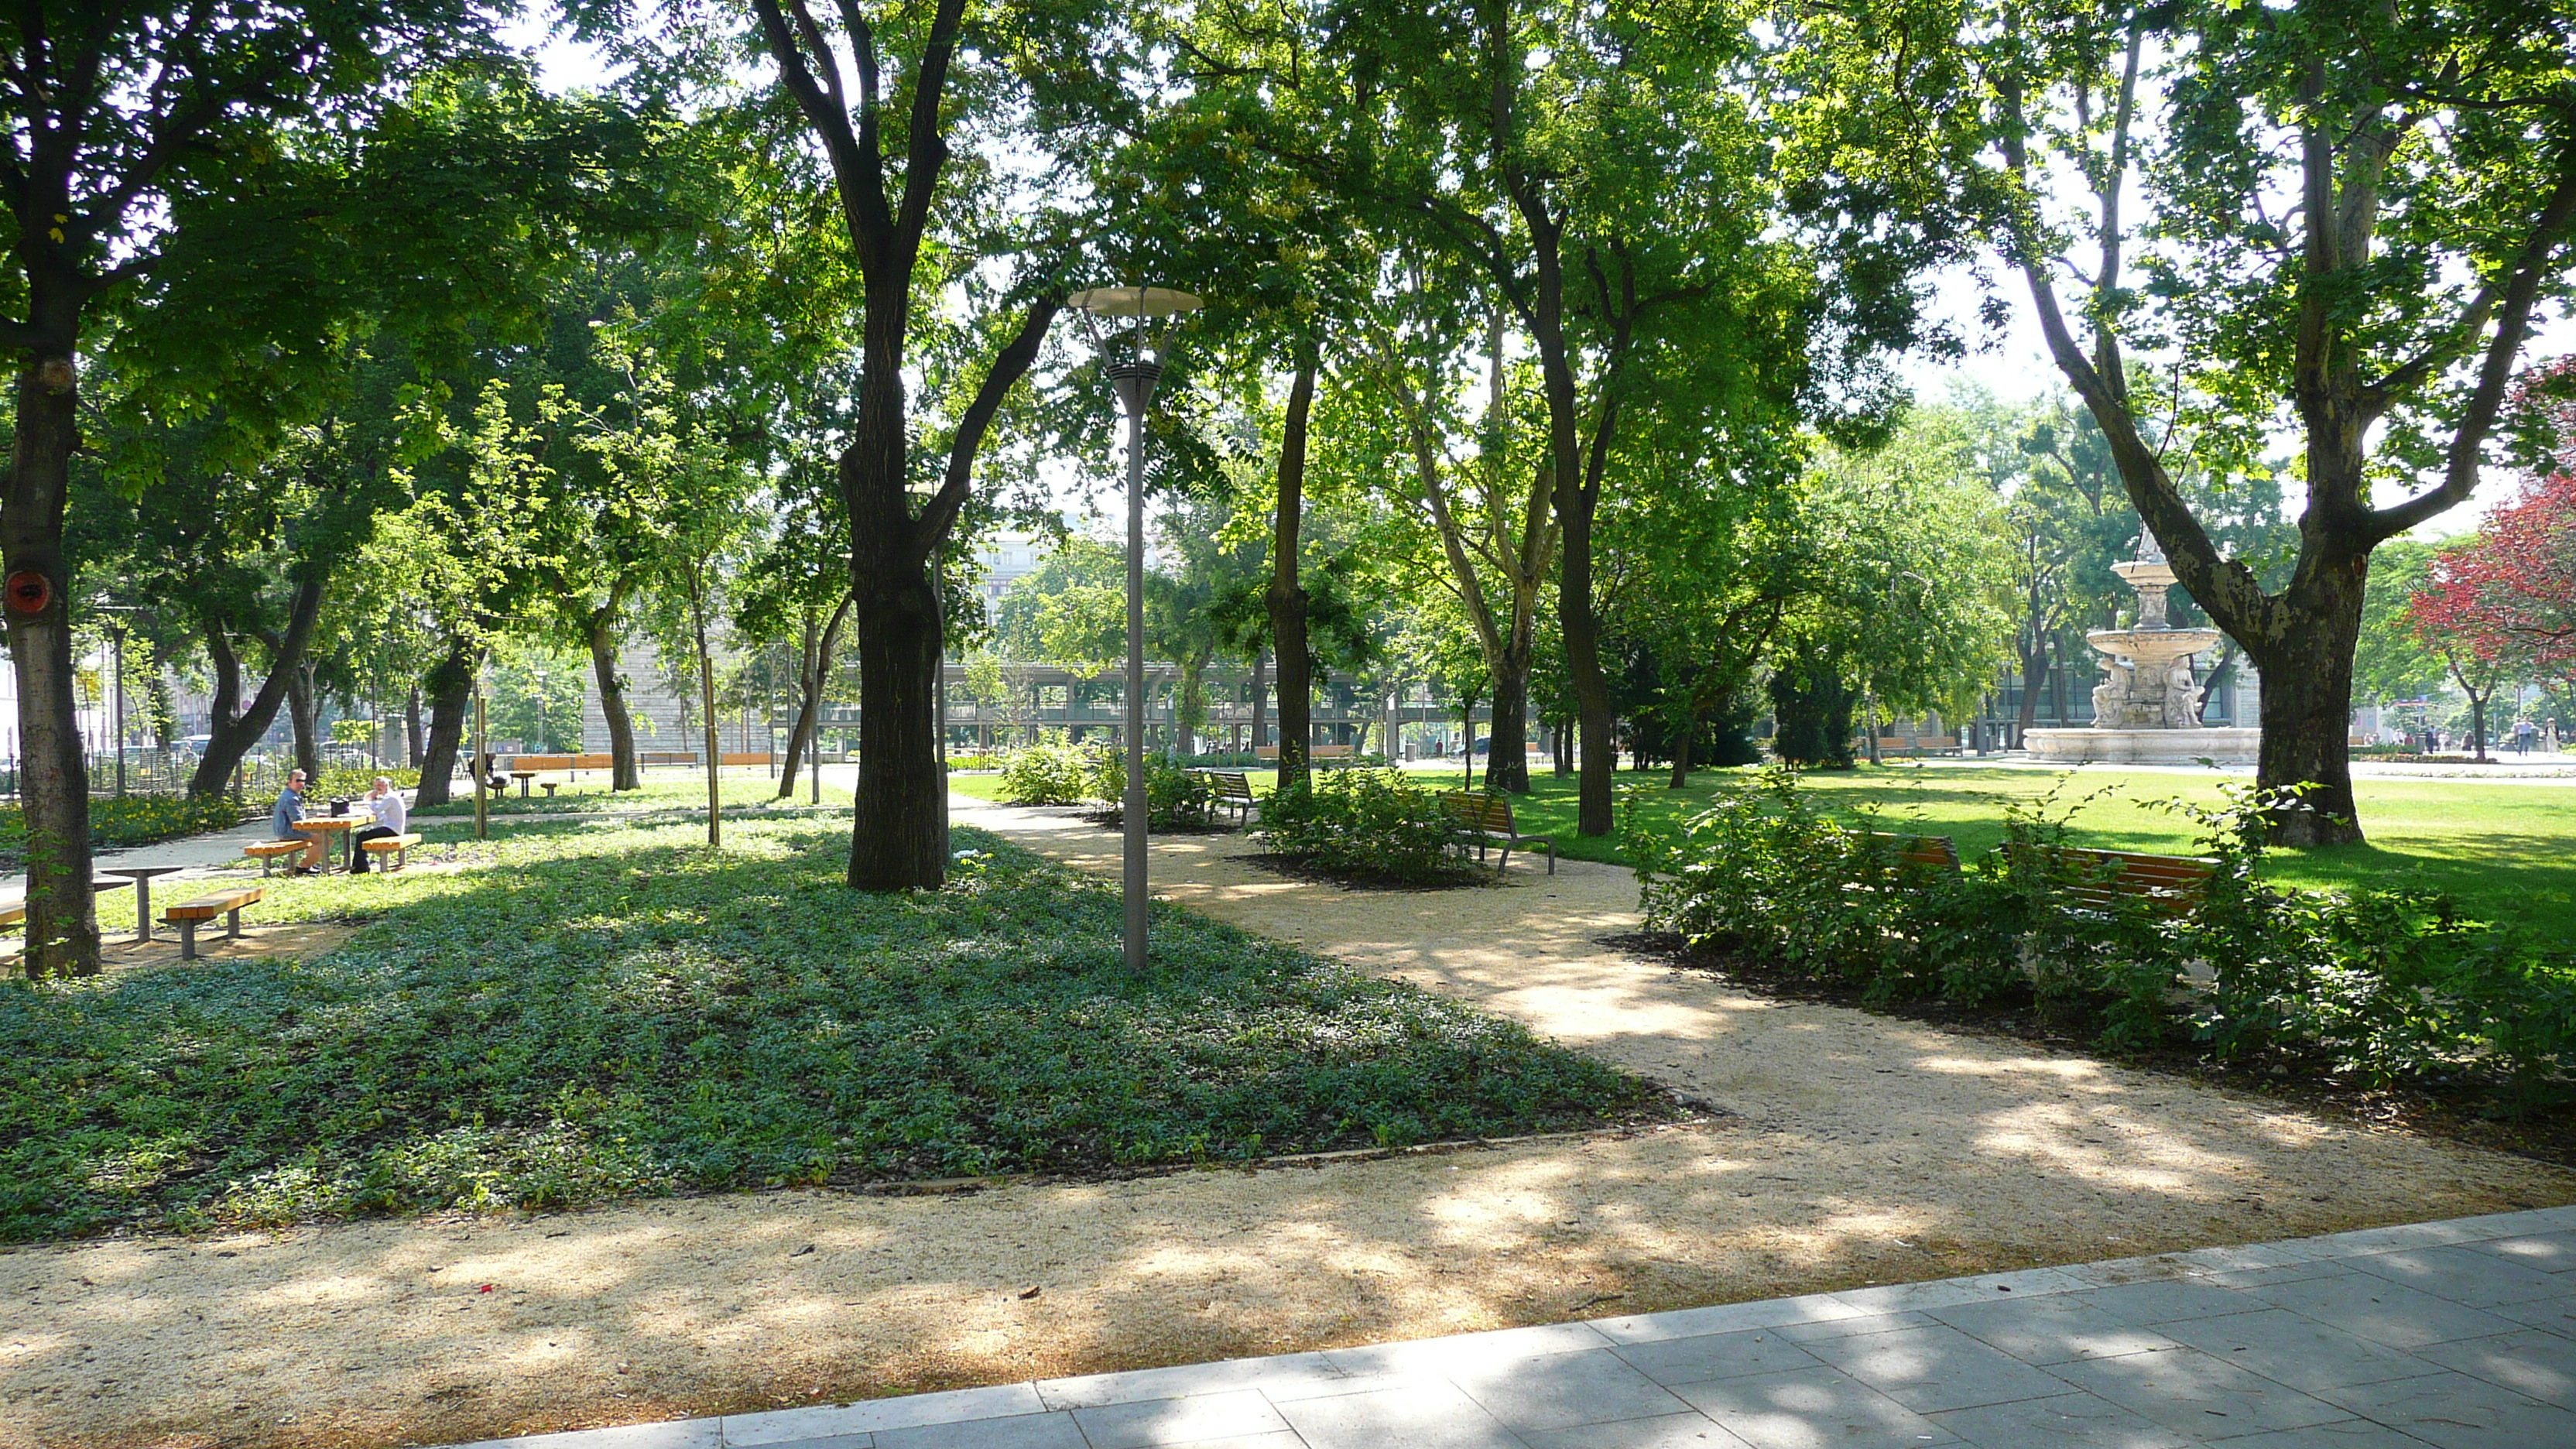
(14, 912)
(1487, 820)
(268, 852)
(1233, 792)
(2168, 885)
(188, 915)
(397, 846)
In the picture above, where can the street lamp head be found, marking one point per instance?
(1131, 328)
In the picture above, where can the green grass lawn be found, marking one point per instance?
(2506, 853)
(664, 789)
(592, 1009)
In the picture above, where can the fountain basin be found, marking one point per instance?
(2151, 646)
(2145, 746)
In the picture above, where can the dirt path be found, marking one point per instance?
(1865, 1149)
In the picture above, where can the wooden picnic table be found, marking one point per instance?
(142, 876)
(344, 826)
(523, 777)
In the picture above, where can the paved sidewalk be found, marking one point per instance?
(2460, 1334)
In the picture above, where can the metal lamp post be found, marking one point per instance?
(116, 632)
(1131, 327)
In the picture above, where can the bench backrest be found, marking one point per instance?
(2169, 884)
(1491, 813)
(1231, 785)
(1934, 852)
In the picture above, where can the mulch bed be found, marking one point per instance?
(2461, 1114)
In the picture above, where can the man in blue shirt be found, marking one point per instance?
(281, 821)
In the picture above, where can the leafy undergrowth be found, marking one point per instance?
(580, 1012)
(132, 820)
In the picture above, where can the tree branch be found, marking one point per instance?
(1008, 367)
(2495, 375)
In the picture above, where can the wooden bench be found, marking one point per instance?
(1487, 819)
(1313, 752)
(1233, 792)
(549, 786)
(1921, 852)
(268, 852)
(397, 846)
(2168, 885)
(1917, 745)
(13, 912)
(188, 915)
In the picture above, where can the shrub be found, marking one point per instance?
(133, 820)
(1175, 798)
(1049, 774)
(354, 781)
(1363, 822)
(2384, 986)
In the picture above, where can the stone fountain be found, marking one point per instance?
(2146, 710)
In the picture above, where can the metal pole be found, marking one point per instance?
(482, 829)
(119, 635)
(1135, 382)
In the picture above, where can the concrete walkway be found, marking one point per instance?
(2460, 1334)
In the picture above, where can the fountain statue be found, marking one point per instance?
(2146, 710)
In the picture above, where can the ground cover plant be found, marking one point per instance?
(125, 821)
(2379, 986)
(581, 1010)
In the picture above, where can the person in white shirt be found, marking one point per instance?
(385, 804)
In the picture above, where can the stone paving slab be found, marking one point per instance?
(2457, 1334)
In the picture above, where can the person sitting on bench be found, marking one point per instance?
(385, 804)
(281, 822)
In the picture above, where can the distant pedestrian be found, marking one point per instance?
(2523, 732)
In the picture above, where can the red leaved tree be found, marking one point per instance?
(2502, 604)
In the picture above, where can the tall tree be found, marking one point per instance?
(1693, 200)
(125, 111)
(2426, 153)
(1041, 60)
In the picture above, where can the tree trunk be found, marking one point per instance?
(1260, 702)
(1686, 733)
(2307, 710)
(1581, 630)
(900, 838)
(1507, 766)
(451, 696)
(53, 784)
(1562, 745)
(235, 729)
(300, 714)
(414, 747)
(1285, 597)
(2034, 675)
(810, 680)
